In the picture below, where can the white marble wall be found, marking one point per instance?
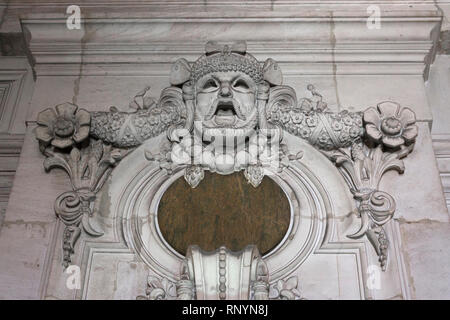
(110, 59)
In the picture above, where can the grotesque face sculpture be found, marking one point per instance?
(221, 87)
(226, 100)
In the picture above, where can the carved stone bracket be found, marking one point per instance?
(390, 135)
(64, 141)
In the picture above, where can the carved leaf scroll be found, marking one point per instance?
(87, 168)
(363, 165)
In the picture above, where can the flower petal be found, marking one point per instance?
(62, 143)
(388, 109)
(373, 132)
(81, 134)
(410, 133)
(407, 117)
(46, 117)
(372, 116)
(43, 134)
(67, 110)
(393, 142)
(83, 117)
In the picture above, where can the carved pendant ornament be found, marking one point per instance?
(226, 113)
(241, 276)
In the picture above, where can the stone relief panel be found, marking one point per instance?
(225, 113)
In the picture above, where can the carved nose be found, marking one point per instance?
(225, 90)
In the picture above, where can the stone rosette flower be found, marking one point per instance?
(64, 126)
(391, 125)
(297, 117)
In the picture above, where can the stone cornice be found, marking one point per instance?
(263, 5)
(11, 144)
(289, 38)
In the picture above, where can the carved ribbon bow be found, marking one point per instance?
(212, 47)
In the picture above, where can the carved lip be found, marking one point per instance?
(225, 109)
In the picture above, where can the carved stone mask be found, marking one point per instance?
(226, 100)
(224, 81)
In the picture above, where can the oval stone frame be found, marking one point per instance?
(224, 211)
(310, 218)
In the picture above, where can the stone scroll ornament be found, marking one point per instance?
(88, 146)
(63, 136)
(226, 95)
(390, 134)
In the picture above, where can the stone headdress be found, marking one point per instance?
(223, 58)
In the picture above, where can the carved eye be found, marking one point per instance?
(210, 85)
(241, 84)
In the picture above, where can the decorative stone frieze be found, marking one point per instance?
(226, 113)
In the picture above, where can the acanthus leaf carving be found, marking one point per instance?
(159, 289)
(87, 167)
(285, 289)
(363, 165)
